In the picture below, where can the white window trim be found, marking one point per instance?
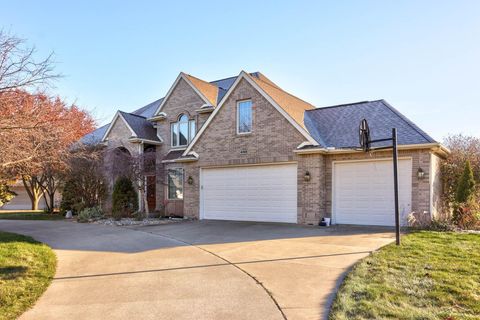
(190, 137)
(238, 117)
(168, 186)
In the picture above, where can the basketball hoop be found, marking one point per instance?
(365, 143)
(364, 135)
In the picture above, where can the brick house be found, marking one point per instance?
(241, 148)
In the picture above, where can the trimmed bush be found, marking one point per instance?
(88, 214)
(124, 198)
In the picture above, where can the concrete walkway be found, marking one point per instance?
(196, 270)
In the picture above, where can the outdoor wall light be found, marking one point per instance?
(420, 174)
(307, 176)
(190, 180)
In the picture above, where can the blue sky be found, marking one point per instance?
(421, 56)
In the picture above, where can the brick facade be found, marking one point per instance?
(182, 100)
(272, 140)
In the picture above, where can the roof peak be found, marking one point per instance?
(348, 104)
(132, 114)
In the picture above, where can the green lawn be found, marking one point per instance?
(26, 269)
(433, 275)
(29, 215)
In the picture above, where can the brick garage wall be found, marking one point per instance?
(183, 99)
(420, 188)
(272, 140)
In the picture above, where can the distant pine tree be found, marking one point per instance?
(466, 184)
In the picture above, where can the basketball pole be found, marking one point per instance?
(395, 185)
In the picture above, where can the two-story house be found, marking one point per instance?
(242, 148)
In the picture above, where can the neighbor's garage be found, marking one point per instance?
(363, 192)
(250, 193)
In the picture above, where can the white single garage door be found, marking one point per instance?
(250, 193)
(363, 192)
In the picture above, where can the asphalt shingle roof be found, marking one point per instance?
(148, 110)
(292, 105)
(142, 127)
(95, 136)
(337, 126)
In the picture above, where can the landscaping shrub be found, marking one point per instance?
(88, 214)
(124, 198)
(466, 215)
(139, 216)
(69, 196)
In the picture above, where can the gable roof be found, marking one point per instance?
(295, 107)
(291, 103)
(337, 126)
(141, 126)
(148, 111)
(209, 90)
(95, 136)
(205, 90)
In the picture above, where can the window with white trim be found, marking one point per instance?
(183, 131)
(244, 116)
(175, 184)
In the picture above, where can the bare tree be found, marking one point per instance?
(142, 166)
(84, 184)
(19, 69)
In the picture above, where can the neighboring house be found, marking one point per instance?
(242, 148)
(22, 201)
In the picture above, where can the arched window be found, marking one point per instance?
(182, 131)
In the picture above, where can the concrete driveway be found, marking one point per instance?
(196, 270)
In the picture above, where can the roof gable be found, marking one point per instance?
(209, 90)
(203, 90)
(141, 126)
(118, 116)
(295, 107)
(248, 78)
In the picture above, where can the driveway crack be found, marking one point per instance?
(227, 263)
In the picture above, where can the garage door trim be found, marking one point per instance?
(201, 176)
(333, 203)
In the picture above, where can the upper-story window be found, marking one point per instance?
(182, 131)
(244, 116)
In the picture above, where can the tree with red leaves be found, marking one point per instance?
(36, 132)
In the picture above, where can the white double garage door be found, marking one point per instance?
(362, 192)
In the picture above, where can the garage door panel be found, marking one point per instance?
(250, 193)
(363, 192)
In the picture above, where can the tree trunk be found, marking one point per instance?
(34, 190)
(145, 204)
